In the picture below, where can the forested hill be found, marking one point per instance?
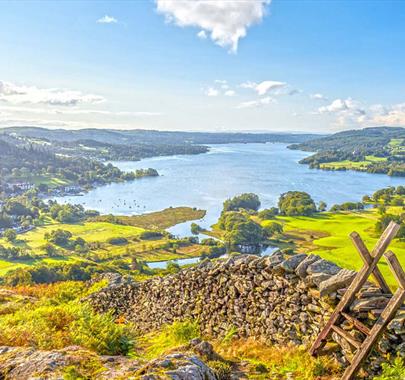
(155, 137)
(375, 150)
(38, 164)
(368, 140)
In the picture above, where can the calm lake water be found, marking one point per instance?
(206, 180)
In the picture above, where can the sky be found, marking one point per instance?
(206, 65)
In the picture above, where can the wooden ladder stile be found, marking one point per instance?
(341, 311)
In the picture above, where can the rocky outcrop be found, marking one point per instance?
(276, 299)
(189, 362)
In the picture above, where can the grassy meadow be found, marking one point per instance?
(98, 233)
(327, 235)
(357, 165)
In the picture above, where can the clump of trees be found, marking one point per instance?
(246, 201)
(348, 206)
(393, 196)
(117, 241)
(295, 203)
(272, 230)
(13, 253)
(195, 228)
(385, 220)
(69, 213)
(268, 213)
(240, 230)
(215, 248)
(151, 235)
(10, 235)
(64, 239)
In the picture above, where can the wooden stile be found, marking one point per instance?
(342, 309)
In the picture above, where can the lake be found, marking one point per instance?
(206, 180)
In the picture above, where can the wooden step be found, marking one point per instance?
(359, 325)
(345, 335)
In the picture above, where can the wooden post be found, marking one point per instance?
(365, 255)
(394, 304)
(356, 285)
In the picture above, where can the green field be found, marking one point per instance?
(89, 231)
(158, 220)
(327, 235)
(356, 165)
(102, 231)
(48, 180)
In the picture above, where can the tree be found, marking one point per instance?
(244, 234)
(296, 203)
(59, 237)
(195, 228)
(5, 221)
(272, 229)
(247, 201)
(322, 206)
(49, 249)
(10, 235)
(268, 213)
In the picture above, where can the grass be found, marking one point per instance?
(357, 165)
(169, 337)
(261, 361)
(6, 266)
(89, 231)
(49, 180)
(55, 318)
(327, 235)
(158, 220)
(98, 232)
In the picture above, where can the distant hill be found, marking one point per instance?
(375, 150)
(155, 137)
(367, 139)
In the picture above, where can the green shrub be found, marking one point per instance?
(117, 241)
(393, 371)
(295, 203)
(171, 336)
(150, 235)
(247, 201)
(222, 370)
(57, 322)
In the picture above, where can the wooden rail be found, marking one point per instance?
(341, 311)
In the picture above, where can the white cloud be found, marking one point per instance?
(342, 105)
(230, 93)
(225, 20)
(212, 92)
(107, 20)
(202, 35)
(264, 87)
(393, 115)
(18, 94)
(67, 111)
(257, 103)
(318, 96)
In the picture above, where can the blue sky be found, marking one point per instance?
(185, 65)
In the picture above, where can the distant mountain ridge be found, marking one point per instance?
(155, 137)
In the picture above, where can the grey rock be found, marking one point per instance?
(323, 266)
(339, 281)
(301, 269)
(292, 262)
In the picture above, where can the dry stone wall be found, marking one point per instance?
(277, 299)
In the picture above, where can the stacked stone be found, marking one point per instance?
(276, 299)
